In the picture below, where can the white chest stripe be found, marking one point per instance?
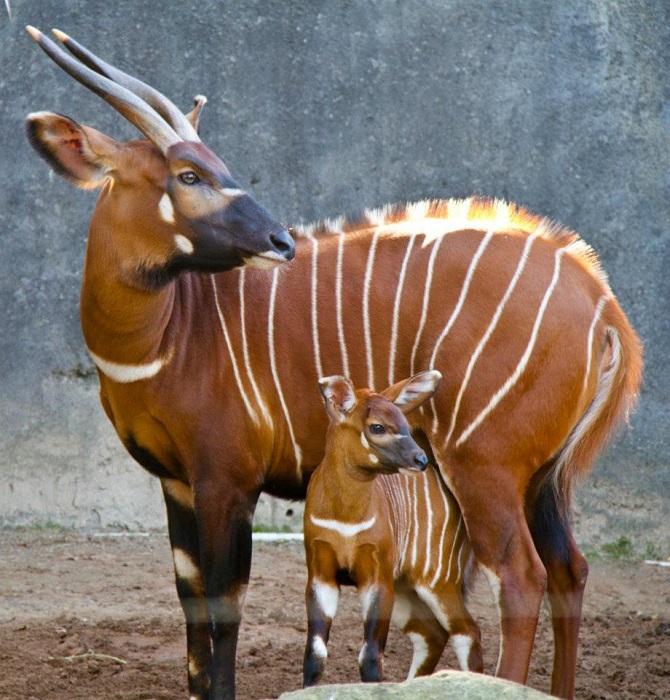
(125, 374)
(344, 529)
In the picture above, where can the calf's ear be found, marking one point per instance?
(339, 396)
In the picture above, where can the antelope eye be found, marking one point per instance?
(188, 178)
(377, 429)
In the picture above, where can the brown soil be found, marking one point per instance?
(97, 617)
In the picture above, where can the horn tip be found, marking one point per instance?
(61, 36)
(34, 32)
(200, 100)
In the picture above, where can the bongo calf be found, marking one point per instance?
(398, 538)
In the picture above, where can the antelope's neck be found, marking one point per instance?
(124, 324)
(345, 492)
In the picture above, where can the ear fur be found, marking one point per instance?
(339, 395)
(78, 153)
(411, 393)
(194, 115)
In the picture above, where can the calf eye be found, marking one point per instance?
(377, 429)
(189, 177)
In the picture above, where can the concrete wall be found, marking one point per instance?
(324, 107)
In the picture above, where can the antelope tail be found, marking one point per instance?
(620, 376)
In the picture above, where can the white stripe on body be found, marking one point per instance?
(489, 331)
(443, 535)
(514, 377)
(427, 524)
(366, 311)
(396, 309)
(275, 375)
(315, 320)
(457, 309)
(233, 361)
(424, 307)
(247, 360)
(338, 305)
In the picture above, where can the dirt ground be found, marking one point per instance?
(96, 616)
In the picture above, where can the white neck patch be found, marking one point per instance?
(125, 374)
(344, 529)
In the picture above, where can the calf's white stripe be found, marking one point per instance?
(344, 529)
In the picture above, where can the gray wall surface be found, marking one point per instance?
(322, 107)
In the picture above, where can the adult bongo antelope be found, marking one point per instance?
(369, 523)
(197, 369)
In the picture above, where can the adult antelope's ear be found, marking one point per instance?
(339, 395)
(411, 393)
(194, 115)
(80, 154)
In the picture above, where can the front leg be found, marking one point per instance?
(374, 582)
(321, 597)
(183, 532)
(224, 514)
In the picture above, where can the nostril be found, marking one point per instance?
(421, 461)
(283, 243)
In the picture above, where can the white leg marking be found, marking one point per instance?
(589, 341)
(420, 651)
(426, 297)
(126, 374)
(338, 305)
(433, 602)
(512, 380)
(459, 305)
(183, 244)
(402, 611)
(165, 209)
(315, 323)
(367, 597)
(361, 653)
(319, 647)
(396, 309)
(247, 360)
(179, 492)
(326, 598)
(275, 375)
(494, 582)
(461, 644)
(489, 331)
(366, 310)
(233, 361)
(186, 568)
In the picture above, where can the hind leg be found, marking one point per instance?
(427, 635)
(491, 501)
(567, 571)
